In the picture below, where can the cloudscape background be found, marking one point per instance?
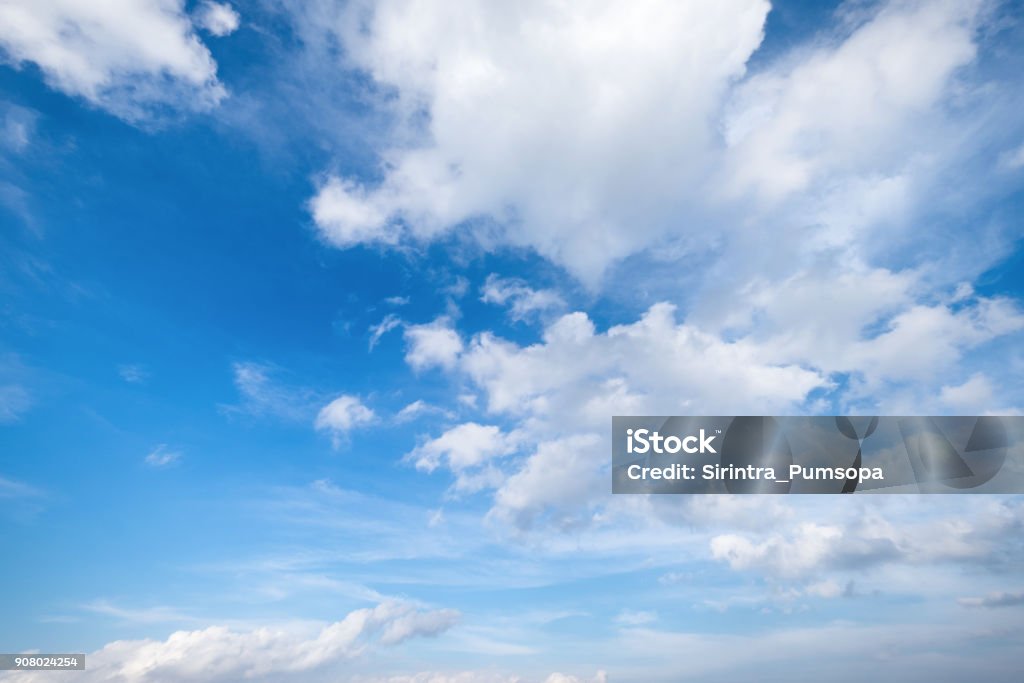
(314, 316)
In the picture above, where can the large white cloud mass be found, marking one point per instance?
(590, 132)
(581, 130)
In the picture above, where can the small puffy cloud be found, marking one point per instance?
(463, 447)
(218, 654)
(217, 18)
(162, 456)
(471, 452)
(435, 344)
(347, 215)
(522, 300)
(974, 397)
(342, 415)
(135, 59)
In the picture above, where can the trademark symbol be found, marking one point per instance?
(718, 431)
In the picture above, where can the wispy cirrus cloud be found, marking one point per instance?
(163, 456)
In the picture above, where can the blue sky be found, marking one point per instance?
(315, 315)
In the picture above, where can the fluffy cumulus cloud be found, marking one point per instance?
(798, 207)
(218, 654)
(342, 415)
(470, 452)
(592, 132)
(559, 392)
(435, 344)
(138, 59)
(220, 19)
(578, 130)
(862, 102)
(465, 446)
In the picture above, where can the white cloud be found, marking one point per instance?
(521, 299)
(162, 457)
(973, 397)
(465, 446)
(840, 650)
(560, 392)
(577, 375)
(347, 215)
(263, 394)
(435, 344)
(418, 409)
(468, 451)
(562, 479)
(134, 58)
(864, 536)
(559, 129)
(390, 322)
(219, 19)
(218, 654)
(862, 102)
(578, 129)
(342, 415)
